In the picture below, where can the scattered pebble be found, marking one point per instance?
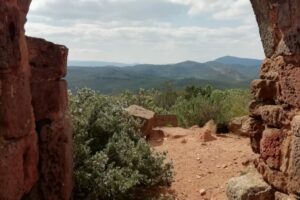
(203, 169)
(184, 141)
(202, 192)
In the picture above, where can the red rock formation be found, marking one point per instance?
(150, 120)
(35, 136)
(277, 95)
(48, 63)
(165, 120)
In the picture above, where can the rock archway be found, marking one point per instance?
(35, 136)
(275, 110)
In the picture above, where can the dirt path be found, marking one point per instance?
(202, 166)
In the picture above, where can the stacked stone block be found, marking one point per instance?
(275, 131)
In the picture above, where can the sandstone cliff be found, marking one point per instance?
(35, 134)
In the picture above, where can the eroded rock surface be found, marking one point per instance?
(249, 186)
(35, 133)
(277, 95)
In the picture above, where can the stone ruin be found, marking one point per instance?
(150, 120)
(275, 116)
(35, 133)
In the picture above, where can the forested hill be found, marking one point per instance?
(225, 72)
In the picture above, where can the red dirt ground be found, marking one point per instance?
(203, 166)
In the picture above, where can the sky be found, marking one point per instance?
(147, 31)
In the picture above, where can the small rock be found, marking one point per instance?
(184, 141)
(207, 132)
(198, 177)
(247, 162)
(202, 192)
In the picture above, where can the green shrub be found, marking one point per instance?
(160, 101)
(148, 99)
(197, 107)
(111, 160)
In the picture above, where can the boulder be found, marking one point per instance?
(207, 132)
(282, 196)
(146, 116)
(249, 186)
(140, 112)
(238, 126)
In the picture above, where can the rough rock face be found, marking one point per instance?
(35, 134)
(150, 120)
(240, 125)
(276, 105)
(249, 186)
(48, 63)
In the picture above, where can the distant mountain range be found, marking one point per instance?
(238, 61)
(79, 63)
(224, 72)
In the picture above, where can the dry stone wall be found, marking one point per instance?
(275, 130)
(35, 133)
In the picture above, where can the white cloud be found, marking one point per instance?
(219, 9)
(151, 31)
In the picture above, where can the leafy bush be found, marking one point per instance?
(166, 97)
(148, 99)
(111, 160)
(160, 101)
(197, 106)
